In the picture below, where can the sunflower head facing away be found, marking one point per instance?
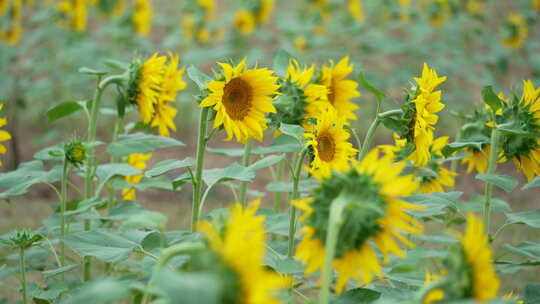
(152, 86)
(419, 115)
(515, 31)
(374, 218)
(470, 273)
(328, 141)
(438, 11)
(238, 253)
(300, 98)
(241, 97)
(523, 114)
(340, 90)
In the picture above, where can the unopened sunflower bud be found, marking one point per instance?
(75, 153)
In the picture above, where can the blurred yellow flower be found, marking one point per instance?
(515, 31)
(137, 161)
(355, 9)
(4, 135)
(142, 17)
(244, 22)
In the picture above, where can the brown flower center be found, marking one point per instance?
(326, 147)
(237, 98)
(331, 92)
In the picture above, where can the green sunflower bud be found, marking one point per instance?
(75, 152)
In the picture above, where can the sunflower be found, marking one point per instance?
(523, 114)
(404, 8)
(12, 34)
(515, 31)
(469, 271)
(329, 143)
(355, 9)
(244, 22)
(476, 7)
(152, 86)
(264, 12)
(300, 98)
(142, 17)
(420, 112)
(511, 297)
(340, 90)
(75, 13)
(172, 83)
(300, 43)
(434, 295)
(374, 217)
(137, 161)
(477, 159)
(535, 5)
(433, 177)
(4, 135)
(438, 11)
(241, 98)
(241, 247)
(209, 7)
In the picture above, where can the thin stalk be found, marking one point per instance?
(245, 163)
(111, 193)
(334, 225)
(295, 194)
(454, 162)
(22, 264)
(373, 127)
(492, 166)
(63, 201)
(90, 162)
(166, 256)
(197, 181)
(279, 177)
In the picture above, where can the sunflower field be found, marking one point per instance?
(270, 151)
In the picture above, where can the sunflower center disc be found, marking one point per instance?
(331, 95)
(326, 147)
(237, 98)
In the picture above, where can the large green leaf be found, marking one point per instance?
(233, 172)
(434, 203)
(356, 296)
(103, 290)
(49, 293)
(62, 110)
(296, 131)
(110, 247)
(107, 171)
(140, 143)
(28, 174)
(476, 204)
(380, 95)
(491, 99)
(165, 166)
(57, 271)
(532, 294)
(284, 264)
(189, 288)
(529, 250)
(530, 218)
(281, 144)
(304, 185)
(281, 62)
(505, 182)
(198, 77)
(266, 162)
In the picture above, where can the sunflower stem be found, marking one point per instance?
(295, 194)
(454, 162)
(279, 177)
(90, 161)
(492, 166)
(197, 181)
(369, 138)
(22, 265)
(334, 225)
(63, 201)
(245, 163)
(166, 255)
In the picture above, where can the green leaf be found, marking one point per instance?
(107, 171)
(281, 144)
(54, 153)
(28, 174)
(530, 218)
(62, 110)
(534, 183)
(50, 293)
(530, 250)
(227, 152)
(357, 296)
(57, 271)
(281, 62)
(105, 246)
(90, 71)
(232, 172)
(380, 95)
(305, 185)
(140, 143)
(491, 99)
(435, 203)
(165, 166)
(103, 290)
(198, 77)
(266, 162)
(505, 182)
(295, 131)
(191, 288)
(284, 264)
(532, 294)
(476, 204)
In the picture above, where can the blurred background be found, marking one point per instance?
(44, 43)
